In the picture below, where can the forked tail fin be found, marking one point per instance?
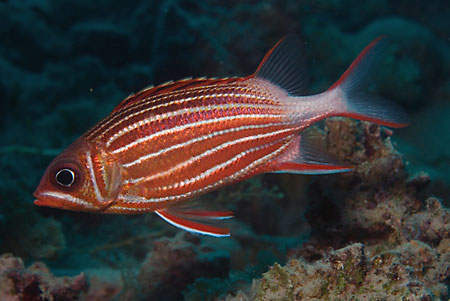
(285, 66)
(358, 103)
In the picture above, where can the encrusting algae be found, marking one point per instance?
(403, 248)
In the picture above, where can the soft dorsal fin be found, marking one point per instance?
(285, 65)
(173, 86)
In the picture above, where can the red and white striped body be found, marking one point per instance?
(168, 144)
(181, 144)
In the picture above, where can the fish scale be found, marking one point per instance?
(162, 103)
(196, 158)
(201, 100)
(177, 149)
(165, 145)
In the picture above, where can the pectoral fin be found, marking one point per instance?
(114, 181)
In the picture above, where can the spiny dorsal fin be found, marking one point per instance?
(173, 86)
(285, 65)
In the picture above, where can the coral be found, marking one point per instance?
(431, 225)
(36, 282)
(101, 289)
(412, 271)
(176, 262)
(377, 203)
(403, 246)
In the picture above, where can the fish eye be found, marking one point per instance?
(65, 177)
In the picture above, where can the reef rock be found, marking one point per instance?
(403, 244)
(36, 282)
(176, 262)
(376, 204)
(413, 270)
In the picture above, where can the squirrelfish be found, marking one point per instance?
(164, 146)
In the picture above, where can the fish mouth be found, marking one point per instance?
(47, 203)
(59, 200)
(43, 200)
(40, 202)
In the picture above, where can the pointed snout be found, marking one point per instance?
(61, 200)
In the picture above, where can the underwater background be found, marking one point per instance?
(381, 231)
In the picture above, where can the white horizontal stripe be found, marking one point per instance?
(67, 197)
(130, 198)
(189, 125)
(238, 174)
(202, 138)
(143, 102)
(125, 112)
(167, 115)
(205, 154)
(121, 208)
(223, 165)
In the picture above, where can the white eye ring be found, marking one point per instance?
(65, 177)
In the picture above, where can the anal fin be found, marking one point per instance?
(308, 155)
(196, 221)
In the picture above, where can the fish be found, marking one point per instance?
(161, 148)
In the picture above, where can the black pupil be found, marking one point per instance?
(65, 177)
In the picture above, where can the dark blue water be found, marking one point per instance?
(64, 65)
